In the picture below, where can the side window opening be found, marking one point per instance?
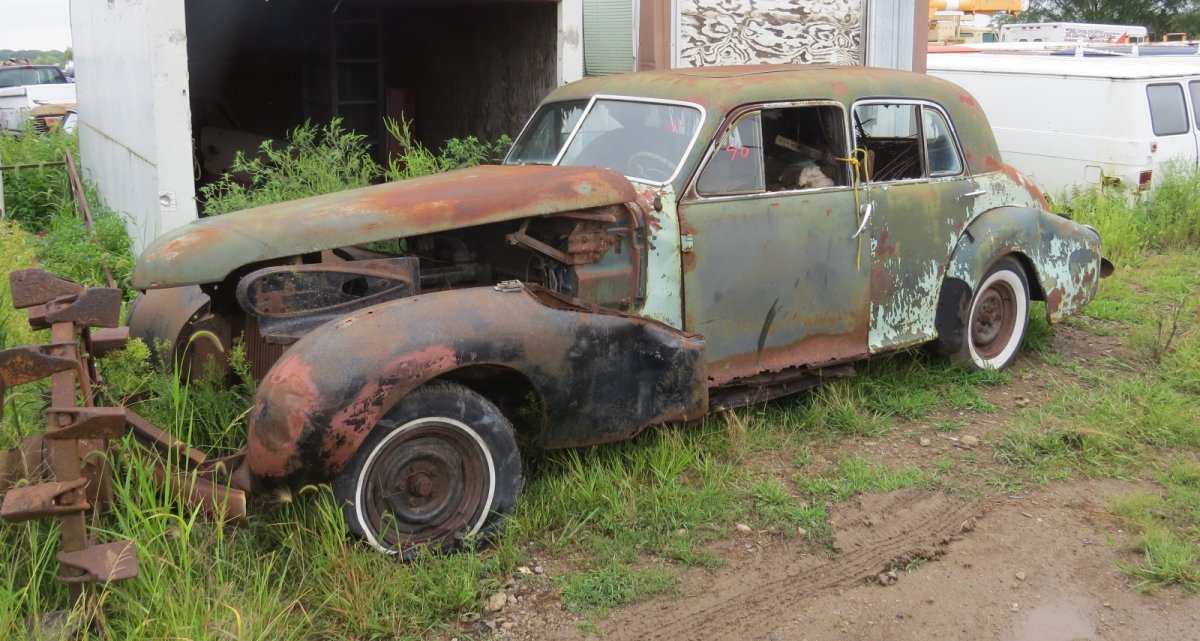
(1168, 114)
(737, 166)
(941, 151)
(802, 148)
(779, 149)
(890, 137)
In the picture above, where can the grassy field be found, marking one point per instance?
(625, 520)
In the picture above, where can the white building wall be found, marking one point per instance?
(889, 34)
(134, 116)
(570, 41)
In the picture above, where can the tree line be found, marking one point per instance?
(38, 56)
(1159, 16)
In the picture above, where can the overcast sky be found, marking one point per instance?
(35, 24)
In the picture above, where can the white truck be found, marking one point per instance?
(1069, 122)
(38, 92)
(1073, 32)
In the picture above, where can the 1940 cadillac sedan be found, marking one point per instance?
(656, 246)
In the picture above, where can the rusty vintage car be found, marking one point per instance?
(655, 246)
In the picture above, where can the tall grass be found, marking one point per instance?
(315, 160)
(33, 196)
(318, 160)
(1167, 219)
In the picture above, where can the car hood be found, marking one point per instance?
(209, 249)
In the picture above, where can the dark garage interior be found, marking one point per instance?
(453, 67)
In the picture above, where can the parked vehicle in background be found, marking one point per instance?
(657, 246)
(1072, 32)
(1076, 122)
(38, 92)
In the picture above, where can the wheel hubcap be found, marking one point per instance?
(427, 486)
(994, 319)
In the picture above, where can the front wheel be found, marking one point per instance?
(439, 467)
(997, 318)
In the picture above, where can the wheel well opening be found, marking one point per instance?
(1031, 276)
(510, 390)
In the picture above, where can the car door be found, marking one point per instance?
(920, 197)
(772, 277)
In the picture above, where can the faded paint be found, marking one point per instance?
(601, 375)
(208, 250)
(721, 89)
(1065, 256)
(664, 286)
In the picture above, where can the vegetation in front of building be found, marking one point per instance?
(323, 159)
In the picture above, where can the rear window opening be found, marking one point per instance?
(1168, 112)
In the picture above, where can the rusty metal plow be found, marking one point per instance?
(63, 473)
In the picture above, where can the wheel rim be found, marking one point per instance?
(994, 319)
(427, 484)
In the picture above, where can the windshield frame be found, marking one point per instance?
(700, 122)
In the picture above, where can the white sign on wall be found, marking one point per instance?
(733, 32)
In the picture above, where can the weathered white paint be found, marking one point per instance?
(889, 34)
(664, 280)
(570, 41)
(134, 116)
(1067, 142)
(723, 32)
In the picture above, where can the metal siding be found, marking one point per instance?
(135, 127)
(608, 36)
(890, 32)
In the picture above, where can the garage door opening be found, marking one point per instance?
(454, 68)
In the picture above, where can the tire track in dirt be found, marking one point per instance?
(872, 532)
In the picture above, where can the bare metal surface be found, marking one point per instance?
(94, 307)
(99, 563)
(88, 423)
(104, 341)
(290, 301)
(67, 467)
(166, 444)
(44, 499)
(208, 491)
(209, 249)
(32, 287)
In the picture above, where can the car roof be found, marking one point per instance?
(720, 89)
(728, 86)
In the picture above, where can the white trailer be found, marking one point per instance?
(1072, 32)
(1069, 122)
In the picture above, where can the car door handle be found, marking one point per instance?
(868, 210)
(973, 194)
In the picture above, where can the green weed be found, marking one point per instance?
(418, 160)
(324, 159)
(777, 509)
(594, 592)
(1165, 220)
(854, 476)
(32, 196)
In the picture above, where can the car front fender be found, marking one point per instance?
(599, 375)
(1062, 256)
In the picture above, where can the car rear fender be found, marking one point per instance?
(597, 375)
(1062, 257)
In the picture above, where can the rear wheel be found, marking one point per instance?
(996, 319)
(441, 466)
